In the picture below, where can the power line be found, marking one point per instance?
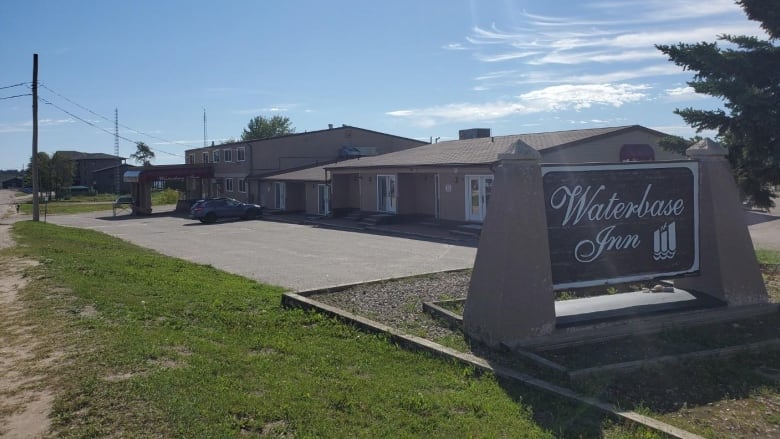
(47, 102)
(15, 96)
(110, 120)
(14, 85)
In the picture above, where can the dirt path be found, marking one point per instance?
(25, 399)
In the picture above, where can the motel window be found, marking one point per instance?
(215, 156)
(240, 154)
(191, 159)
(229, 184)
(205, 157)
(227, 154)
(242, 185)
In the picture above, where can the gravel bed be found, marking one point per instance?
(398, 303)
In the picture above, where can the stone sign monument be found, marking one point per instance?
(567, 226)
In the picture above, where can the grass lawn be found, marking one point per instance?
(93, 203)
(151, 346)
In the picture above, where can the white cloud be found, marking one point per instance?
(599, 41)
(454, 46)
(680, 91)
(563, 97)
(280, 108)
(20, 127)
(549, 99)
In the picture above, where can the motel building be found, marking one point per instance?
(449, 182)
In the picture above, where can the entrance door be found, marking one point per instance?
(478, 188)
(280, 194)
(385, 193)
(323, 199)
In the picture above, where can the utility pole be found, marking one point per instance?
(34, 163)
(204, 128)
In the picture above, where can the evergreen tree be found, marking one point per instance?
(745, 74)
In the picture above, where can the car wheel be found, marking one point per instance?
(210, 217)
(250, 214)
(202, 220)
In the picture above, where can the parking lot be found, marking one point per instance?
(294, 256)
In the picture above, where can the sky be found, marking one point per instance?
(421, 69)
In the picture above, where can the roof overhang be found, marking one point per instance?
(153, 173)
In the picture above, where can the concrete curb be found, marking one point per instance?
(295, 300)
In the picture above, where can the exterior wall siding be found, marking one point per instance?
(607, 150)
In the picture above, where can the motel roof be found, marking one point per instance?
(467, 152)
(481, 151)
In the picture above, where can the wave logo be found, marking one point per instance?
(665, 242)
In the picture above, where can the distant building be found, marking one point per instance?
(13, 183)
(86, 164)
(104, 180)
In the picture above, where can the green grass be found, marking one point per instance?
(156, 346)
(94, 203)
(770, 257)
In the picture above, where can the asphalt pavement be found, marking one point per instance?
(298, 257)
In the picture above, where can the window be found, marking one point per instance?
(205, 157)
(240, 154)
(242, 185)
(228, 154)
(191, 159)
(229, 184)
(215, 156)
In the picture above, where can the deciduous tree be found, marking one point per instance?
(143, 154)
(260, 127)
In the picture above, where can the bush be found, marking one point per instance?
(166, 196)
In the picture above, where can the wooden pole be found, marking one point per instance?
(34, 162)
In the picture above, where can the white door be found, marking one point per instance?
(478, 188)
(323, 199)
(280, 193)
(385, 193)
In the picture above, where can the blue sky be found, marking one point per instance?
(419, 69)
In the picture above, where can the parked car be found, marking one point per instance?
(213, 209)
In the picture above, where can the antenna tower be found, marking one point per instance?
(116, 149)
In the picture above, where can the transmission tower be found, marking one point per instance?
(116, 150)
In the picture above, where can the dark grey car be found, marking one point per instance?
(213, 209)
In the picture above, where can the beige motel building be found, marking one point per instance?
(447, 181)
(240, 168)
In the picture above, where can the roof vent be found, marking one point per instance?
(473, 133)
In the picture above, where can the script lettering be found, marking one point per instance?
(589, 250)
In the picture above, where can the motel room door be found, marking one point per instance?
(280, 195)
(323, 199)
(478, 188)
(385, 193)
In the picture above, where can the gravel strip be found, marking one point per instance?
(398, 303)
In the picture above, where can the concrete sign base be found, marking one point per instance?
(511, 295)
